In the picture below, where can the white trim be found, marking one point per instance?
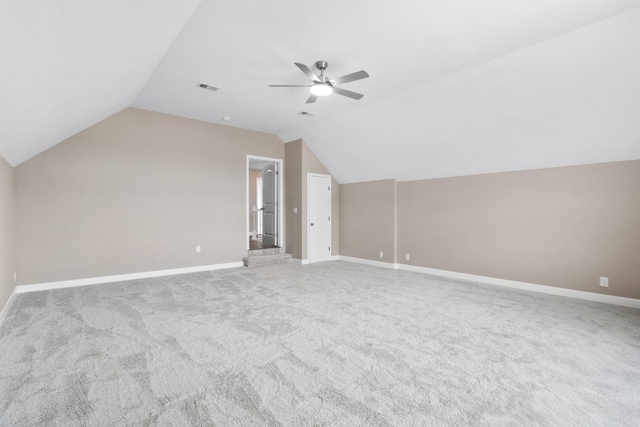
(281, 233)
(551, 290)
(330, 257)
(306, 261)
(367, 262)
(544, 289)
(3, 312)
(122, 277)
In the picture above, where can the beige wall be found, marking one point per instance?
(139, 190)
(561, 227)
(136, 192)
(6, 231)
(367, 220)
(293, 197)
(300, 161)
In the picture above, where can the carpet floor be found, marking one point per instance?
(330, 344)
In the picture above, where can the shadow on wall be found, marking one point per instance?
(7, 197)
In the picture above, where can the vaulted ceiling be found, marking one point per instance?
(457, 87)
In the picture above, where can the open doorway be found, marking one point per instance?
(264, 203)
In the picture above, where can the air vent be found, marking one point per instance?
(306, 113)
(209, 87)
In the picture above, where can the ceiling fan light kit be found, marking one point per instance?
(321, 89)
(323, 85)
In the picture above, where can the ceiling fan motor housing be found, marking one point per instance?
(322, 65)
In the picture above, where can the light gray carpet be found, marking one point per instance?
(332, 344)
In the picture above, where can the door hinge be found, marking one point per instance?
(329, 218)
(329, 247)
(329, 188)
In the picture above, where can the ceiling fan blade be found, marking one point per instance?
(290, 85)
(312, 99)
(351, 77)
(307, 71)
(348, 93)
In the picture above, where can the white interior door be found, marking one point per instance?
(319, 217)
(270, 204)
(258, 215)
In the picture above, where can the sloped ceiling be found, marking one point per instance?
(68, 64)
(457, 87)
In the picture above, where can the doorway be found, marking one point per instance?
(319, 217)
(264, 203)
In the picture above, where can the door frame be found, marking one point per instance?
(309, 175)
(280, 184)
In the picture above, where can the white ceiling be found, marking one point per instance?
(457, 87)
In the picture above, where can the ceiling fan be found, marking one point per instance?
(323, 85)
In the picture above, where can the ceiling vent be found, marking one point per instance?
(306, 113)
(209, 87)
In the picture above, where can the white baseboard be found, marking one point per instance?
(552, 290)
(367, 262)
(331, 258)
(122, 277)
(571, 293)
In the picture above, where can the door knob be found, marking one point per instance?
(312, 224)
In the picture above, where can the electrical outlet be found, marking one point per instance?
(381, 254)
(407, 257)
(15, 276)
(604, 282)
(198, 248)
(295, 210)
